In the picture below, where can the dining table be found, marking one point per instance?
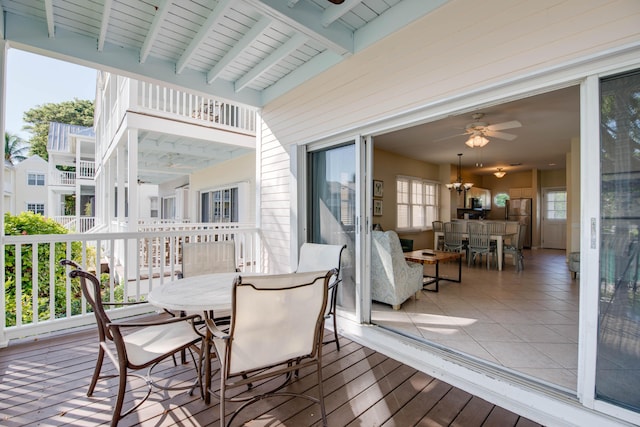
(207, 293)
(499, 238)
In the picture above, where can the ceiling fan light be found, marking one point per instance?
(477, 141)
(500, 173)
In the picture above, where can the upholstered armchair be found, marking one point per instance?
(393, 279)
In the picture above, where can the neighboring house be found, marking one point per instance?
(191, 156)
(31, 186)
(9, 187)
(71, 172)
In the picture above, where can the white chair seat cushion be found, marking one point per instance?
(152, 342)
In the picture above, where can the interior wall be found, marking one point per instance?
(386, 166)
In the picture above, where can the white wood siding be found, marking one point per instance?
(459, 48)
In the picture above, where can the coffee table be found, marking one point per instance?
(430, 256)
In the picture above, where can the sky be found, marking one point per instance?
(33, 80)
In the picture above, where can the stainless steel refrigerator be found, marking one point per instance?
(520, 210)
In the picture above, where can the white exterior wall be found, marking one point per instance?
(241, 172)
(459, 48)
(30, 193)
(461, 55)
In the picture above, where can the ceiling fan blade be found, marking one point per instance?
(449, 137)
(502, 135)
(505, 125)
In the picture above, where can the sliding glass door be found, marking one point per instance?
(332, 209)
(618, 353)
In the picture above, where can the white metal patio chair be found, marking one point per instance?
(323, 257)
(277, 324)
(144, 345)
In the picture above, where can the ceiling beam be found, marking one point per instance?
(154, 30)
(304, 19)
(214, 18)
(336, 11)
(30, 34)
(283, 51)
(48, 9)
(106, 14)
(255, 32)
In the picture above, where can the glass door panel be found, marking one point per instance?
(618, 355)
(332, 209)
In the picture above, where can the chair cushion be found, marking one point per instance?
(155, 341)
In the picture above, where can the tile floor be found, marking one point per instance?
(525, 321)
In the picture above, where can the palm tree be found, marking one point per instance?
(15, 148)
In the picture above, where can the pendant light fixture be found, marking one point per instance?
(500, 173)
(458, 185)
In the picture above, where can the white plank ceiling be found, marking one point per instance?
(249, 51)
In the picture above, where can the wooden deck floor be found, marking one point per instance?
(44, 383)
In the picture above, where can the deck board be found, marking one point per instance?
(45, 382)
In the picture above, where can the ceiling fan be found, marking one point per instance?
(336, 1)
(478, 131)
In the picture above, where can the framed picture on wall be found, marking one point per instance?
(377, 208)
(378, 187)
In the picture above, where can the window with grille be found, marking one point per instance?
(417, 202)
(37, 208)
(219, 205)
(556, 205)
(35, 179)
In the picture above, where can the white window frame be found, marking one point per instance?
(428, 200)
(36, 180)
(35, 205)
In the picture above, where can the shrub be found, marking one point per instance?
(28, 223)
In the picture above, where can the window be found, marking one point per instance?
(37, 208)
(556, 205)
(219, 205)
(500, 200)
(417, 202)
(35, 179)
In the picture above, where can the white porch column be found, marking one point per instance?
(3, 73)
(120, 179)
(132, 178)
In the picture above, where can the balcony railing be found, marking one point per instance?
(76, 225)
(86, 169)
(63, 178)
(130, 265)
(197, 108)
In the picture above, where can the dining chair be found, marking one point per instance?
(438, 226)
(479, 242)
(132, 346)
(516, 246)
(454, 237)
(283, 336)
(208, 257)
(496, 228)
(318, 257)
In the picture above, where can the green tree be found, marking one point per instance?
(15, 148)
(76, 112)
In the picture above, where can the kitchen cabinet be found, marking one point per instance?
(521, 193)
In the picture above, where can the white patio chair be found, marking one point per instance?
(208, 257)
(147, 343)
(323, 257)
(277, 324)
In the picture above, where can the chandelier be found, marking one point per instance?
(477, 140)
(458, 185)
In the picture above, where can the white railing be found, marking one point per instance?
(197, 108)
(130, 264)
(63, 178)
(86, 169)
(75, 225)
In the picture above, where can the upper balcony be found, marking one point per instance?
(121, 95)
